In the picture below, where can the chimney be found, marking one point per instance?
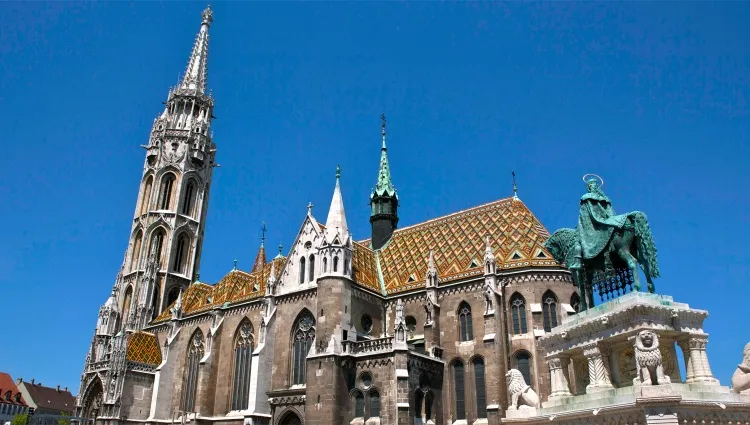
(32, 381)
(58, 388)
(66, 389)
(18, 381)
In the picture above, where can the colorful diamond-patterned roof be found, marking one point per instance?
(143, 347)
(236, 286)
(365, 267)
(458, 242)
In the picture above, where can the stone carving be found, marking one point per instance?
(488, 296)
(400, 312)
(429, 308)
(522, 395)
(649, 360)
(741, 376)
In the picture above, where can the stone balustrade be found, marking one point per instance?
(369, 346)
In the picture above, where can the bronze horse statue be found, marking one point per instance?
(608, 251)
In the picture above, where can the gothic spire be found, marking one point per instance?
(384, 185)
(260, 259)
(197, 68)
(336, 222)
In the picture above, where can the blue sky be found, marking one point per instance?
(653, 96)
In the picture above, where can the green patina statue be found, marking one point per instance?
(603, 252)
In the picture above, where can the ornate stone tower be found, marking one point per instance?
(167, 235)
(383, 201)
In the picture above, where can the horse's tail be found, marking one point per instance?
(646, 247)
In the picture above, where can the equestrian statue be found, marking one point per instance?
(604, 251)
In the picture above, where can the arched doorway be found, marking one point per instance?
(290, 419)
(92, 402)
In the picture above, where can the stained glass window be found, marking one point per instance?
(243, 350)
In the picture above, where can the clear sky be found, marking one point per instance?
(653, 96)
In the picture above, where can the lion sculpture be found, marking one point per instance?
(522, 395)
(648, 360)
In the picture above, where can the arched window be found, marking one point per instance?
(346, 266)
(464, 321)
(303, 334)
(173, 294)
(188, 198)
(359, 404)
(549, 310)
(575, 302)
(518, 313)
(302, 270)
(157, 243)
(135, 255)
(126, 304)
(312, 268)
(458, 387)
(325, 265)
(481, 394)
(155, 303)
(146, 195)
(243, 350)
(165, 194)
(411, 325)
(374, 404)
(195, 353)
(335, 264)
(291, 419)
(523, 364)
(181, 253)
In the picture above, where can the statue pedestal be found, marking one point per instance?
(522, 412)
(664, 390)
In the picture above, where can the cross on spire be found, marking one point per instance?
(263, 234)
(235, 264)
(309, 208)
(515, 188)
(382, 118)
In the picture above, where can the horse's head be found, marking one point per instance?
(560, 244)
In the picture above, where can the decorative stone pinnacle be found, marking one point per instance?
(309, 209)
(207, 15)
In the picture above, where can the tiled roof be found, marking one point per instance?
(51, 399)
(458, 243)
(143, 347)
(7, 384)
(365, 267)
(236, 286)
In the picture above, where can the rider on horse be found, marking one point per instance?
(597, 220)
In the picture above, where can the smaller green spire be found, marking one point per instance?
(384, 186)
(281, 248)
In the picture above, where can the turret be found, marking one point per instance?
(383, 201)
(336, 246)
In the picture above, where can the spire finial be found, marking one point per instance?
(309, 208)
(382, 118)
(515, 188)
(338, 171)
(207, 15)
(263, 234)
(281, 248)
(235, 264)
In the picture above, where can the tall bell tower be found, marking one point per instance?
(170, 216)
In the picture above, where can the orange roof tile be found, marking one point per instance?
(143, 347)
(365, 267)
(458, 242)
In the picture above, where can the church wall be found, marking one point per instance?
(288, 309)
(180, 362)
(367, 304)
(224, 354)
(136, 395)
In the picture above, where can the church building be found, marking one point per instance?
(418, 324)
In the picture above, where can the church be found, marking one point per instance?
(419, 324)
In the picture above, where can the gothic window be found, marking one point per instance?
(181, 250)
(549, 310)
(481, 394)
(303, 334)
(165, 194)
(157, 243)
(325, 265)
(464, 320)
(243, 349)
(518, 313)
(335, 264)
(458, 388)
(523, 364)
(291, 419)
(146, 195)
(155, 303)
(312, 268)
(126, 304)
(575, 302)
(359, 404)
(195, 353)
(302, 270)
(188, 198)
(411, 325)
(374, 404)
(135, 255)
(173, 294)
(346, 266)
